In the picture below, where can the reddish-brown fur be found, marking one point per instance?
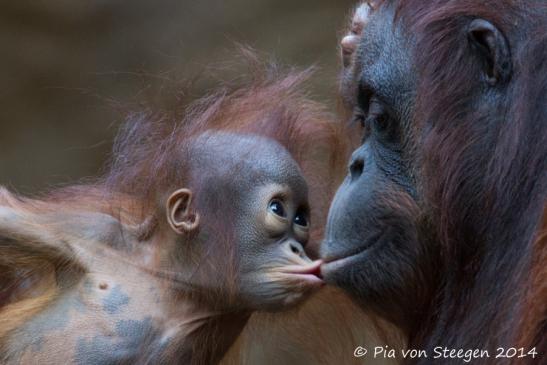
(510, 214)
(483, 176)
(143, 164)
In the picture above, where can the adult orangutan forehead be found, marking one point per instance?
(244, 158)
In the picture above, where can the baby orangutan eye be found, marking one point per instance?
(300, 219)
(277, 208)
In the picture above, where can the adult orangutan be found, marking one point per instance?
(438, 226)
(197, 224)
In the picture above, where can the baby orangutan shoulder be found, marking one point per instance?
(223, 236)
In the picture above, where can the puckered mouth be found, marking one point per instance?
(310, 273)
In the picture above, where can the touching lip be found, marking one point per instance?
(345, 255)
(334, 263)
(311, 272)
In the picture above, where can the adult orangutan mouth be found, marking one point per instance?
(336, 262)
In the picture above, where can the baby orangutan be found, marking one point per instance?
(163, 261)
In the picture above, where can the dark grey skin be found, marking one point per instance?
(229, 240)
(367, 237)
(379, 244)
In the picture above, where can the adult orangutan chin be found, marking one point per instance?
(438, 226)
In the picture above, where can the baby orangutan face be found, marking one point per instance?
(275, 270)
(245, 215)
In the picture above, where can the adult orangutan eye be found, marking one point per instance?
(277, 208)
(360, 118)
(300, 219)
(377, 116)
(382, 122)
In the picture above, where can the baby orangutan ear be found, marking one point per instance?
(180, 216)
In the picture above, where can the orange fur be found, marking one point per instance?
(38, 245)
(325, 330)
(17, 313)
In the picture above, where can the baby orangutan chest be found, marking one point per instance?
(98, 320)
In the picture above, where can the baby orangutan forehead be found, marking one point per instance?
(245, 156)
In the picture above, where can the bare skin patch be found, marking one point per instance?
(58, 318)
(132, 338)
(115, 300)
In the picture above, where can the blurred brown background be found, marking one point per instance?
(64, 63)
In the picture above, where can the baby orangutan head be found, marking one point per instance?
(241, 222)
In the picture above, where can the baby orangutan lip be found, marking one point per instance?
(310, 273)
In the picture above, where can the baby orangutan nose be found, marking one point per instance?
(309, 271)
(304, 268)
(297, 249)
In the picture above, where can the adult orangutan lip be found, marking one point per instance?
(345, 255)
(337, 263)
(359, 247)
